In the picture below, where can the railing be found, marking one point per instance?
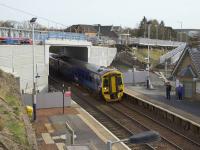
(40, 35)
(71, 132)
(44, 35)
(136, 41)
(152, 42)
(172, 53)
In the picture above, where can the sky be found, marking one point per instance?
(127, 13)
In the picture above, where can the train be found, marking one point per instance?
(15, 41)
(105, 82)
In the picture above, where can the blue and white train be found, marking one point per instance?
(107, 82)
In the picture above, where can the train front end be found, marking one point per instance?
(112, 86)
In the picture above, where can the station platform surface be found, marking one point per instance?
(52, 134)
(189, 109)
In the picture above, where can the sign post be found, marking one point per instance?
(68, 96)
(68, 93)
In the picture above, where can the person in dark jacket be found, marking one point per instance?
(168, 90)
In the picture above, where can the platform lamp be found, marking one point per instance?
(141, 138)
(32, 22)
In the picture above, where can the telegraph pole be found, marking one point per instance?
(148, 63)
(181, 23)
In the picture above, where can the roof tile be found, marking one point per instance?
(195, 56)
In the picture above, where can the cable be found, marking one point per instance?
(30, 14)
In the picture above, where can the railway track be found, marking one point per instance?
(85, 101)
(113, 125)
(168, 134)
(123, 120)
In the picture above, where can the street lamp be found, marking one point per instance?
(141, 138)
(148, 80)
(32, 21)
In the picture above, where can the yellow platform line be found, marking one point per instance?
(60, 146)
(103, 133)
(47, 138)
(49, 127)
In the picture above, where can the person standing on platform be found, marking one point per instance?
(168, 90)
(177, 85)
(180, 92)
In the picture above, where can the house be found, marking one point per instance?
(88, 30)
(107, 31)
(97, 34)
(187, 72)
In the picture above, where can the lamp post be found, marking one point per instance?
(141, 138)
(148, 61)
(32, 21)
(63, 91)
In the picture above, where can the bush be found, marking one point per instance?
(16, 110)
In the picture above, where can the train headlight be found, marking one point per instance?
(105, 88)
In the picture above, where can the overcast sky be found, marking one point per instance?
(126, 13)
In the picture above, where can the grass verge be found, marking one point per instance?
(11, 122)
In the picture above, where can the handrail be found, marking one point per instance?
(71, 132)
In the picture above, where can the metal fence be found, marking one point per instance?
(40, 35)
(151, 42)
(172, 53)
(47, 100)
(104, 40)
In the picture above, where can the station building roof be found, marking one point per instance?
(193, 68)
(106, 31)
(81, 28)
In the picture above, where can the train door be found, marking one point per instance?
(105, 83)
(113, 89)
(113, 84)
(105, 88)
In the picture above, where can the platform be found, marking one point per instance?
(52, 134)
(185, 108)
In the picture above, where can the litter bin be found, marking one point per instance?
(29, 110)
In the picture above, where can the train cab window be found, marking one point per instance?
(119, 80)
(105, 83)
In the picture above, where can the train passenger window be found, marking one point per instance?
(119, 80)
(105, 83)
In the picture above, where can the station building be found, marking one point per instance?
(187, 72)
